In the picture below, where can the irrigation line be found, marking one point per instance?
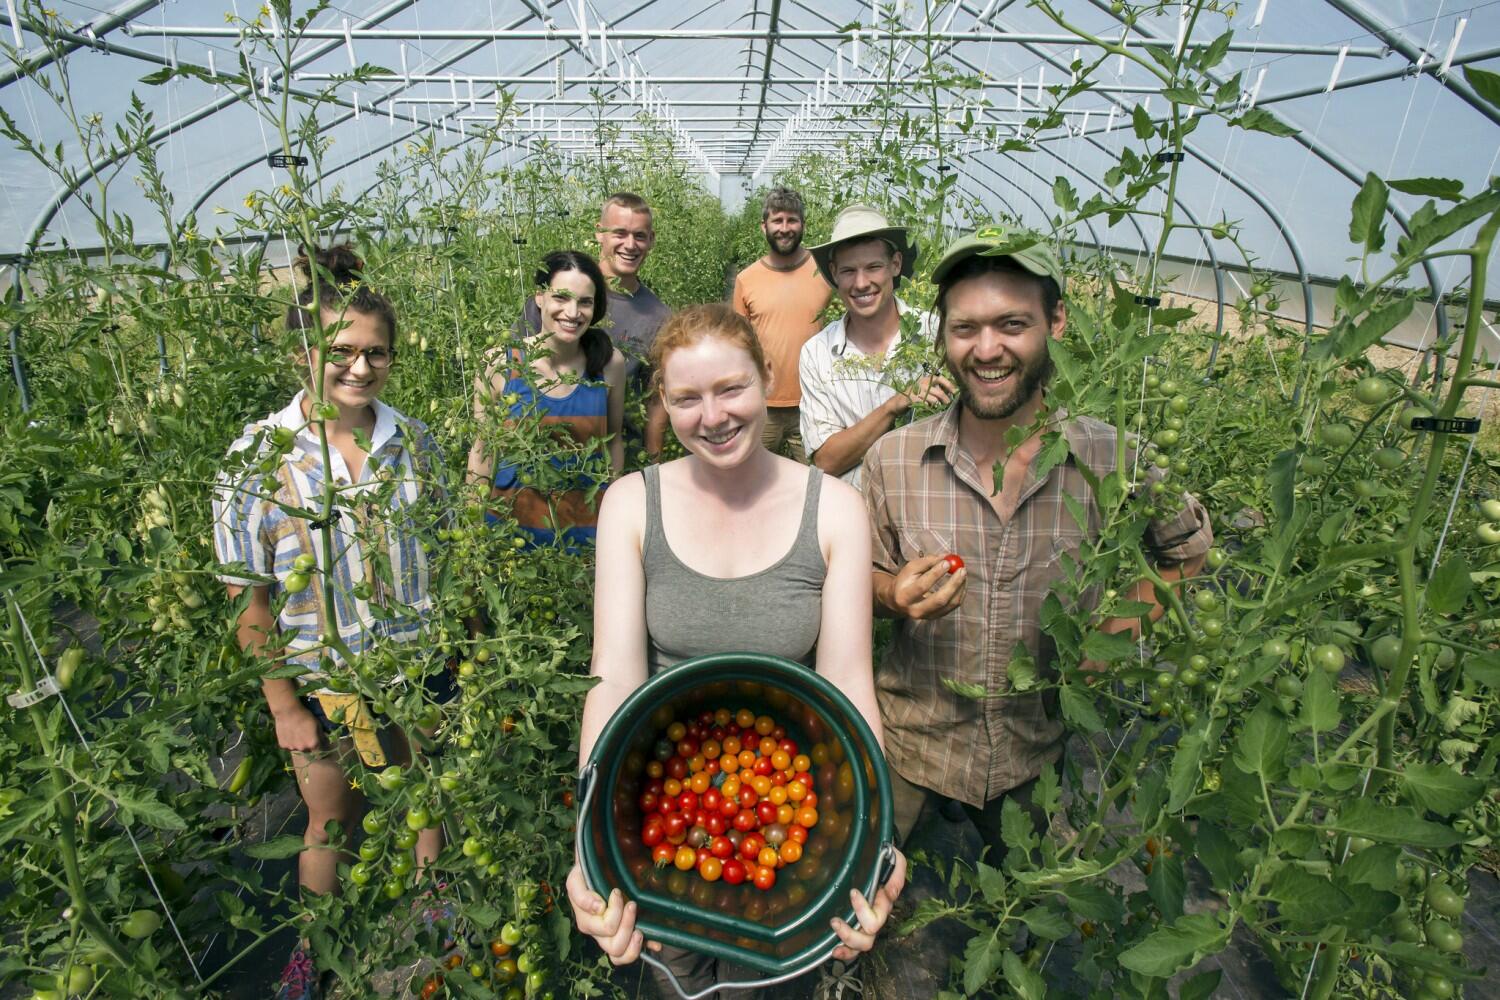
(89, 749)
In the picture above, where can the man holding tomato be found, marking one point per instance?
(968, 537)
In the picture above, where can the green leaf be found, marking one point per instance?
(1064, 196)
(1047, 923)
(1436, 187)
(1367, 215)
(1261, 120)
(1109, 646)
(1141, 122)
(276, 850)
(1183, 943)
(1182, 780)
(1282, 478)
(1027, 983)
(1320, 703)
(1306, 899)
(1392, 825)
(1261, 748)
(1016, 826)
(1094, 902)
(1448, 590)
(1374, 867)
(1201, 986)
(1483, 668)
(982, 960)
(1218, 855)
(1350, 339)
(149, 811)
(1078, 710)
(1213, 55)
(1439, 788)
(991, 883)
(1167, 885)
(1183, 95)
(1485, 83)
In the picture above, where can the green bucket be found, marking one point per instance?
(781, 932)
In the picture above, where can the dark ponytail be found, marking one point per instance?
(346, 291)
(597, 347)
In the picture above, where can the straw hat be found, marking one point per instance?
(861, 222)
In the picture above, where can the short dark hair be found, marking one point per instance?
(979, 264)
(782, 199)
(597, 347)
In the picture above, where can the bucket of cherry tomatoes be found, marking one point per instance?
(737, 798)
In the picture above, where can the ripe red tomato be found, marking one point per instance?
(765, 878)
(711, 800)
(662, 854)
(751, 845)
(687, 801)
(675, 823)
(734, 871)
(763, 766)
(653, 832)
(765, 811)
(788, 747)
(676, 768)
(648, 802)
(747, 797)
(687, 749)
(745, 820)
(954, 561)
(720, 847)
(716, 824)
(728, 807)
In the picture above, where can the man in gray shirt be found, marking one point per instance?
(626, 236)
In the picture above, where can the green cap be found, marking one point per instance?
(1030, 250)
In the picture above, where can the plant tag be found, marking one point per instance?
(282, 160)
(1446, 425)
(1170, 156)
(44, 690)
(1149, 301)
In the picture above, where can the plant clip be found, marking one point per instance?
(282, 160)
(1170, 156)
(1149, 301)
(45, 688)
(1446, 425)
(324, 522)
(519, 241)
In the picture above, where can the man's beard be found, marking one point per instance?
(1033, 376)
(795, 241)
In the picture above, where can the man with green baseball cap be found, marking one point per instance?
(968, 539)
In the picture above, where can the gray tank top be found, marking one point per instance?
(777, 610)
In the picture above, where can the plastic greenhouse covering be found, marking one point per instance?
(746, 87)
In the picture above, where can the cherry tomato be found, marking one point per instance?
(734, 871)
(765, 878)
(663, 855)
(954, 561)
(765, 811)
(1329, 658)
(711, 868)
(675, 823)
(653, 832)
(685, 858)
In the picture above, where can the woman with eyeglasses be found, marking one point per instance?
(369, 587)
(569, 381)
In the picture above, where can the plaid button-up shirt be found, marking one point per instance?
(926, 497)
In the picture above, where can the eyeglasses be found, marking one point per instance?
(344, 357)
(641, 235)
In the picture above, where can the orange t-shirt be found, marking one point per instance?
(783, 306)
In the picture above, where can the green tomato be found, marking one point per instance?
(401, 865)
(1198, 662)
(1216, 558)
(1442, 936)
(449, 781)
(1444, 901)
(510, 934)
(1178, 404)
(1490, 509)
(1164, 679)
(1385, 652)
(305, 563)
(1188, 677)
(472, 847)
(1336, 434)
(359, 873)
(525, 964)
(1288, 686)
(373, 823)
(1373, 391)
(1212, 627)
(393, 888)
(1406, 929)
(1328, 658)
(295, 583)
(405, 839)
(1438, 986)
(1277, 648)
(534, 983)
(1313, 465)
(392, 778)
(1168, 438)
(1412, 413)
(1206, 600)
(1153, 382)
(1389, 459)
(1488, 534)
(370, 850)
(76, 981)
(140, 924)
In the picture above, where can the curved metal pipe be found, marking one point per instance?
(41, 58)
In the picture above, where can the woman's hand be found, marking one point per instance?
(297, 729)
(871, 918)
(611, 924)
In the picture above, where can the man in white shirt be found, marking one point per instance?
(850, 371)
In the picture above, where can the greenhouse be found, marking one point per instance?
(876, 498)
